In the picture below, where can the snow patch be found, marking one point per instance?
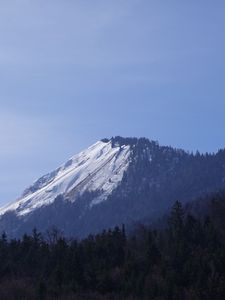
(100, 167)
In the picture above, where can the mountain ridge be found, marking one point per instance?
(115, 181)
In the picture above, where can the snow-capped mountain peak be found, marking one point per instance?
(98, 168)
(116, 181)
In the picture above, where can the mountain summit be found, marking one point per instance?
(118, 180)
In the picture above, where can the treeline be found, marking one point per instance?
(184, 261)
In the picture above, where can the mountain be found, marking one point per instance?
(121, 180)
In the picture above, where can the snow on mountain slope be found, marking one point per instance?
(100, 167)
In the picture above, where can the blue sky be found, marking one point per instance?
(72, 72)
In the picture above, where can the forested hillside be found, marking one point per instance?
(185, 260)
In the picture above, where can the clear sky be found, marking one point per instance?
(75, 71)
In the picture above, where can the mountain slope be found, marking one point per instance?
(122, 180)
(100, 167)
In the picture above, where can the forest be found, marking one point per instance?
(183, 260)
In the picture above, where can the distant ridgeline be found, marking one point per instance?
(115, 181)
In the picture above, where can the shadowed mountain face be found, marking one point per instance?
(121, 180)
